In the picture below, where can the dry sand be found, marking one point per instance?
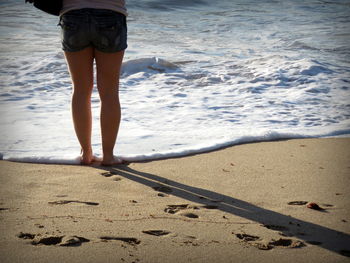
(233, 205)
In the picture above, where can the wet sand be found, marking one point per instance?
(247, 203)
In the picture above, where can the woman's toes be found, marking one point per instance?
(115, 161)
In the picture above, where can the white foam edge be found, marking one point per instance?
(269, 136)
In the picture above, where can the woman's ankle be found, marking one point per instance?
(86, 156)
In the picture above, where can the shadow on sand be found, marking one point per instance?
(321, 236)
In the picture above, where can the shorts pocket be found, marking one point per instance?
(111, 25)
(72, 34)
(68, 25)
(109, 33)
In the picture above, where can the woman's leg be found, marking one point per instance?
(80, 66)
(108, 70)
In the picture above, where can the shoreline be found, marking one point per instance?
(159, 156)
(245, 203)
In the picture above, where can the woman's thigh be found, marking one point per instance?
(108, 66)
(80, 64)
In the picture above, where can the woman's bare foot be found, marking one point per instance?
(112, 161)
(88, 158)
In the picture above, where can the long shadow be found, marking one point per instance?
(321, 236)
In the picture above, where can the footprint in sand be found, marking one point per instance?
(117, 179)
(246, 237)
(63, 202)
(68, 241)
(53, 240)
(129, 240)
(173, 209)
(108, 174)
(282, 242)
(48, 241)
(156, 232)
(189, 215)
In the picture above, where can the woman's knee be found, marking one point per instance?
(110, 91)
(82, 93)
(112, 99)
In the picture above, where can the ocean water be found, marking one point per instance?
(198, 75)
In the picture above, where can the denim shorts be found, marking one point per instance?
(105, 30)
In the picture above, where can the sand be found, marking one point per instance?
(247, 203)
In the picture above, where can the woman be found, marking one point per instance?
(95, 30)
